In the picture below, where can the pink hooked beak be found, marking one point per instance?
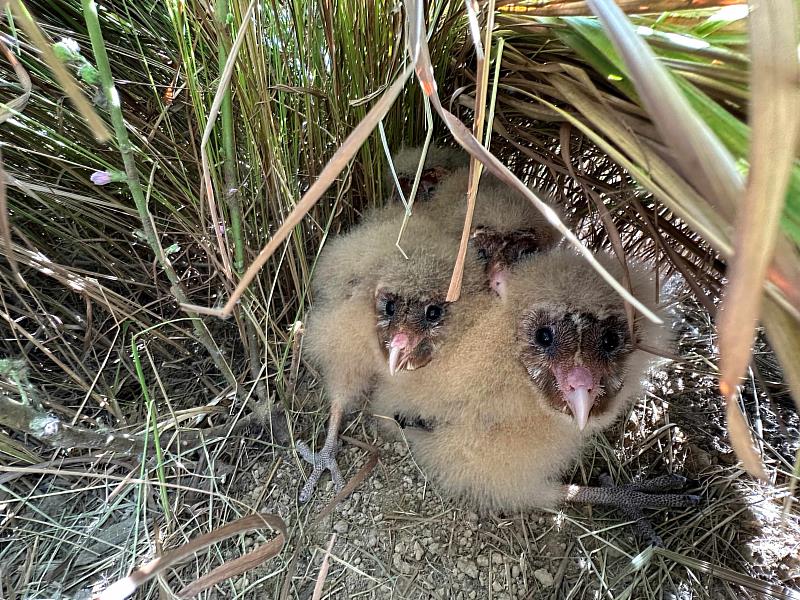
(399, 343)
(579, 390)
(498, 280)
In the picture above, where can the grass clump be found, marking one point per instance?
(167, 424)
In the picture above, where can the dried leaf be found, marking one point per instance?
(783, 332)
(742, 440)
(667, 185)
(235, 567)
(711, 168)
(723, 126)
(762, 588)
(323, 570)
(475, 167)
(15, 104)
(563, 8)
(128, 585)
(775, 121)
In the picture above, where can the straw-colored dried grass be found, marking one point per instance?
(98, 340)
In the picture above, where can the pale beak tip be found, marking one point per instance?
(394, 360)
(580, 403)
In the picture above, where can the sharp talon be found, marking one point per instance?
(336, 477)
(692, 483)
(656, 541)
(692, 499)
(307, 490)
(631, 499)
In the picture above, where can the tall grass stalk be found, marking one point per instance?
(126, 149)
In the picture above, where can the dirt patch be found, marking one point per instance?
(397, 537)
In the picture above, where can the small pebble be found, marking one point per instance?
(470, 569)
(482, 561)
(372, 538)
(341, 526)
(544, 577)
(418, 552)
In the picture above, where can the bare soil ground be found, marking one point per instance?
(397, 537)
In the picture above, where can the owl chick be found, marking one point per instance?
(498, 208)
(362, 281)
(377, 311)
(501, 416)
(440, 163)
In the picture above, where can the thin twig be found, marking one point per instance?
(129, 160)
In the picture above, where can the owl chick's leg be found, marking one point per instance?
(325, 459)
(631, 499)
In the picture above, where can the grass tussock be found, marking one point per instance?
(138, 425)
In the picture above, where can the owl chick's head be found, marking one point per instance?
(575, 339)
(410, 303)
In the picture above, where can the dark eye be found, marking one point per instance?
(544, 337)
(609, 341)
(388, 308)
(433, 313)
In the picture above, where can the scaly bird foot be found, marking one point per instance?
(323, 460)
(632, 498)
